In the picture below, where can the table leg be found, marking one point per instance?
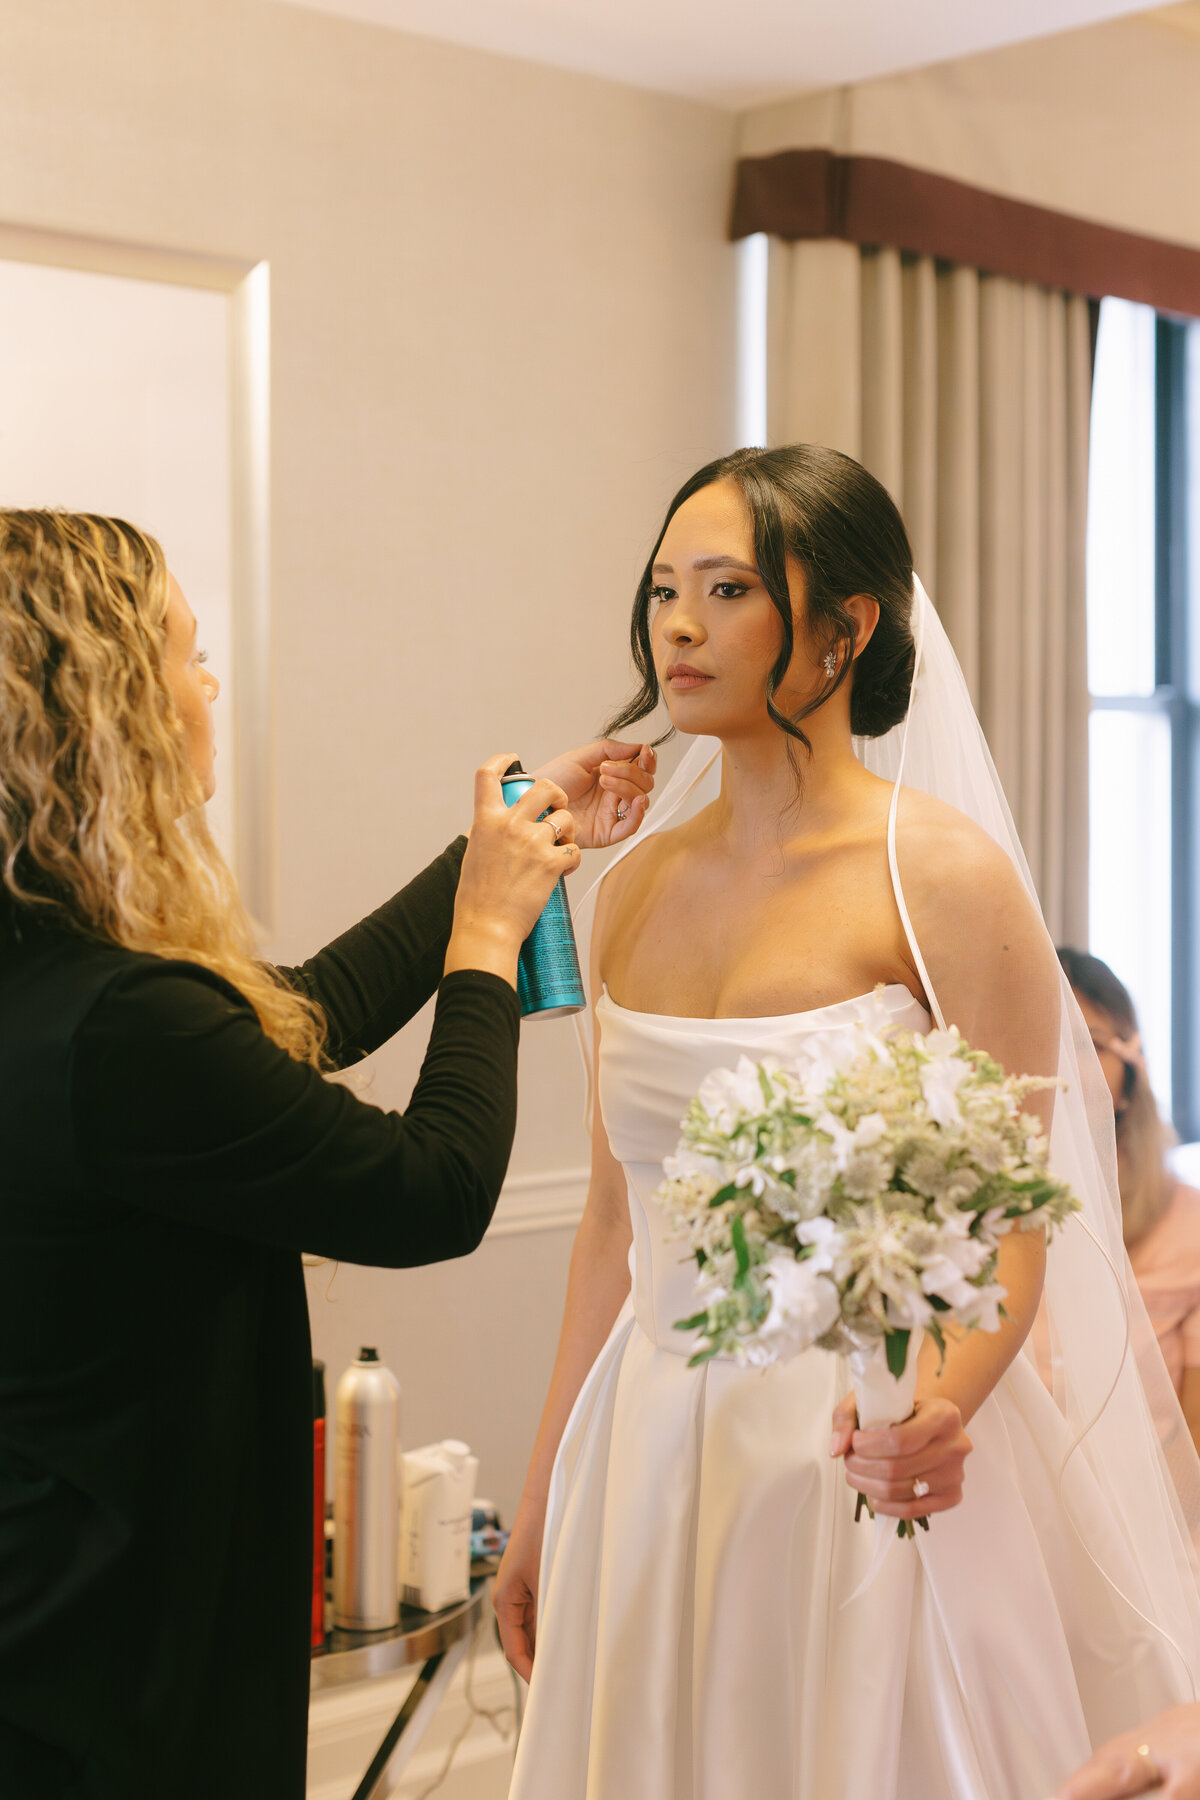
(411, 1722)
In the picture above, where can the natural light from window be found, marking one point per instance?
(1129, 875)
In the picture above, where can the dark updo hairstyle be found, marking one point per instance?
(843, 529)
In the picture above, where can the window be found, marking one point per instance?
(1144, 886)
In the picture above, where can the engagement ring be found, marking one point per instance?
(920, 1488)
(622, 808)
(1152, 1768)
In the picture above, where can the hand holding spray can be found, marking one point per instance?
(548, 979)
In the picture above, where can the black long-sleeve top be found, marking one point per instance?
(162, 1164)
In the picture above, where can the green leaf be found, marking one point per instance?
(939, 1337)
(740, 1247)
(764, 1083)
(896, 1346)
(702, 1356)
(730, 1191)
(693, 1324)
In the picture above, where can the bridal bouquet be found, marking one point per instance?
(854, 1197)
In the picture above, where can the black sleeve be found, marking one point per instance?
(182, 1106)
(371, 980)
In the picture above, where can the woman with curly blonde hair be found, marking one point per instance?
(170, 1144)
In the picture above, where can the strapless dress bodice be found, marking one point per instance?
(649, 1066)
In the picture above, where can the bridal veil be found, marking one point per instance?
(1129, 1480)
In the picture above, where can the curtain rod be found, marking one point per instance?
(870, 200)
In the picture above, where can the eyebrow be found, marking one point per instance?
(712, 562)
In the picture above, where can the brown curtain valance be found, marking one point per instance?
(870, 200)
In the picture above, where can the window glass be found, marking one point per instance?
(1120, 546)
(1129, 876)
(1192, 404)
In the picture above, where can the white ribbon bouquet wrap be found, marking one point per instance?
(854, 1200)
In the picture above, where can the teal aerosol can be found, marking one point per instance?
(548, 979)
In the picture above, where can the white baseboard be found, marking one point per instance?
(347, 1724)
(540, 1202)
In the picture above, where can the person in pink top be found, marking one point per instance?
(1161, 1215)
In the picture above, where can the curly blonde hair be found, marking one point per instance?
(101, 823)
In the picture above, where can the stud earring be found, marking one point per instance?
(830, 665)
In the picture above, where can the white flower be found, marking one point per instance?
(848, 1143)
(983, 1309)
(826, 1237)
(814, 1169)
(729, 1096)
(804, 1302)
(944, 1278)
(870, 1128)
(940, 1082)
(907, 1308)
(686, 1163)
(812, 1076)
(956, 1244)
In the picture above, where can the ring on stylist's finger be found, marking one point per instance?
(920, 1488)
(557, 830)
(622, 808)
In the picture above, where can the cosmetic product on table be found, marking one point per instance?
(366, 1496)
(488, 1536)
(548, 978)
(435, 1535)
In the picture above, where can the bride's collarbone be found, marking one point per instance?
(751, 949)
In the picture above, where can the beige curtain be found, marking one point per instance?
(968, 396)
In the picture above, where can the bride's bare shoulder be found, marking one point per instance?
(949, 861)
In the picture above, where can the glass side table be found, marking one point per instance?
(436, 1641)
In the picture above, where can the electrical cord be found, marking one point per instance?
(493, 1715)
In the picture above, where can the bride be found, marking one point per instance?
(686, 1588)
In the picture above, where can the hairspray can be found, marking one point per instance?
(318, 1572)
(366, 1507)
(548, 981)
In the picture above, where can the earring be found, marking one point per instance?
(830, 665)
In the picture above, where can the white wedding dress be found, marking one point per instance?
(698, 1638)
(711, 1622)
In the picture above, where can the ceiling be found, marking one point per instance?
(738, 53)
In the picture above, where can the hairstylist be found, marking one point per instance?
(168, 1146)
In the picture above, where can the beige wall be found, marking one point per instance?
(502, 331)
(1103, 122)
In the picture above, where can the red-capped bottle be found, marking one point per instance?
(318, 1569)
